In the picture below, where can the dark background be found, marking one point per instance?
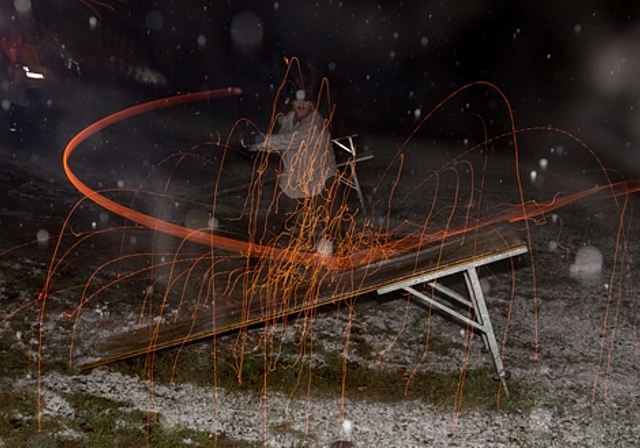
(574, 65)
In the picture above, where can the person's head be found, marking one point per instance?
(302, 105)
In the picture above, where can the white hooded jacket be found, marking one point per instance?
(306, 153)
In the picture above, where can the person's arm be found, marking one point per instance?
(262, 142)
(292, 137)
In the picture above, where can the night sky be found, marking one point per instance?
(573, 64)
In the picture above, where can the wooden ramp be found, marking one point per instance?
(276, 289)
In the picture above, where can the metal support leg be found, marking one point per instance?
(483, 318)
(351, 178)
(480, 321)
(351, 181)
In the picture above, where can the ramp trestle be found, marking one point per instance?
(450, 302)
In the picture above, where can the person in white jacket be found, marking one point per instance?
(307, 184)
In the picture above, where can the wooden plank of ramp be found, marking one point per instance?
(279, 289)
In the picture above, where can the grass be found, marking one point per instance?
(94, 422)
(298, 379)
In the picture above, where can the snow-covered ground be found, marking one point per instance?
(571, 340)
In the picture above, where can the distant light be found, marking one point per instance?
(32, 75)
(612, 68)
(22, 6)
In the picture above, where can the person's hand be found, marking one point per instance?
(253, 141)
(258, 138)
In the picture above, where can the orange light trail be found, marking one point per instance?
(522, 212)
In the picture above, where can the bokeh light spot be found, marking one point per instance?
(154, 20)
(247, 30)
